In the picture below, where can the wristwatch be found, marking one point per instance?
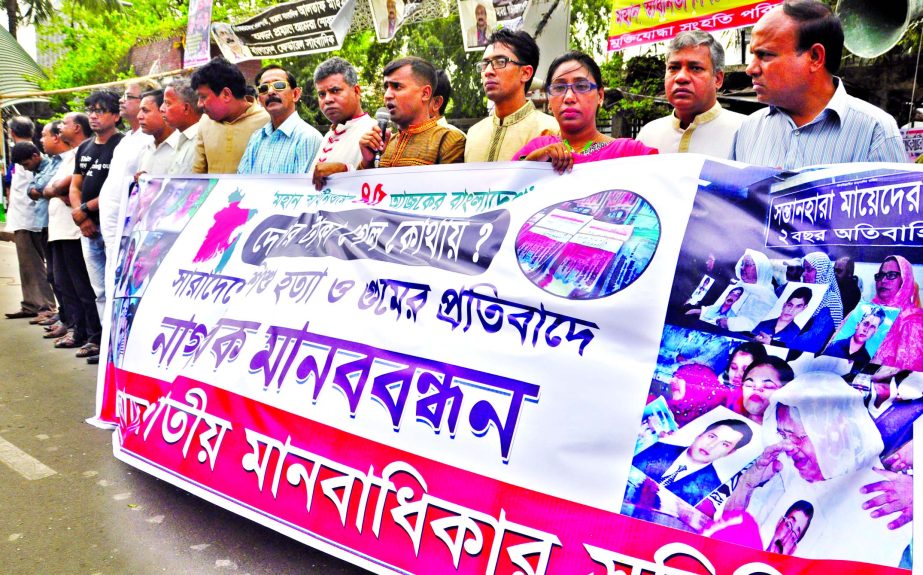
(84, 208)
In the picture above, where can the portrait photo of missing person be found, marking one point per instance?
(861, 334)
(389, 14)
(701, 456)
(784, 322)
(478, 21)
(229, 44)
(791, 528)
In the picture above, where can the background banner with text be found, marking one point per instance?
(636, 22)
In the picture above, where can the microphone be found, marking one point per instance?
(383, 117)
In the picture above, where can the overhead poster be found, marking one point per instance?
(198, 45)
(289, 29)
(649, 364)
(480, 18)
(637, 22)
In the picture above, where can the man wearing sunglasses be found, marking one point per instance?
(286, 144)
(507, 69)
(230, 119)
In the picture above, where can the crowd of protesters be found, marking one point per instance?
(64, 199)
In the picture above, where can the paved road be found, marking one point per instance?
(67, 507)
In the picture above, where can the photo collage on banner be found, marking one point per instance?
(166, 207)
(789, 374)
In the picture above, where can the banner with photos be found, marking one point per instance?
(637, 22)
(289, 29)
(480, 18)
(665, 364)
(913, 142)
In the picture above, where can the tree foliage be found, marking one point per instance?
(95, 41)
(438, 41)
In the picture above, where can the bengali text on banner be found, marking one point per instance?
(637, 22)
(645, 365)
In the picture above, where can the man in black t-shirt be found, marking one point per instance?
(91, 167)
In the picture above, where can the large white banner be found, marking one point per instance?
(493, 368)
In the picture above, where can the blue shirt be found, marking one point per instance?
(289, 149)
(846, 130)
(46, 170)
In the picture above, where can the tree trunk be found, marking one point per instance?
(12, 15)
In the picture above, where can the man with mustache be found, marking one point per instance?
(388, 26)
(791, 528)
(810, 119)
(157, 156)
(339, 98)
(181, 112)
(287, 144)
(688, 472)
(698, 124)
(479, 33)
(420, 141)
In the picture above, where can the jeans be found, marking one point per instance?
(94, 253)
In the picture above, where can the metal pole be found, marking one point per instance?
(913, 89)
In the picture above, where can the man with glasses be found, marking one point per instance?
(286, 144)
(507, 69)
(91, 170)
(698, 124)
(791, 528)
(123, 166)
(79, 322)
(230, 119)
(420, 141)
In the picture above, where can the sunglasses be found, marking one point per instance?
(890, 275)
(278, 86)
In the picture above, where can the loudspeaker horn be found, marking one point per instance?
(872, 27)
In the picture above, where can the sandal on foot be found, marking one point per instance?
(88, 349)
(66, 342)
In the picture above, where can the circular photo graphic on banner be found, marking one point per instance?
(589, 248)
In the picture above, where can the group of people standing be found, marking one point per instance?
(209, 124)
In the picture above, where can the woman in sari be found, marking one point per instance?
(902, 348)
(575, 92)
(818, 269)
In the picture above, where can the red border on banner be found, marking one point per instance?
(357, 517)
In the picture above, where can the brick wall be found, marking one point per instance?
(170, 53)
(165, 54)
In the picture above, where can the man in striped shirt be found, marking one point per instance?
(811, 119)
(286, 144)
